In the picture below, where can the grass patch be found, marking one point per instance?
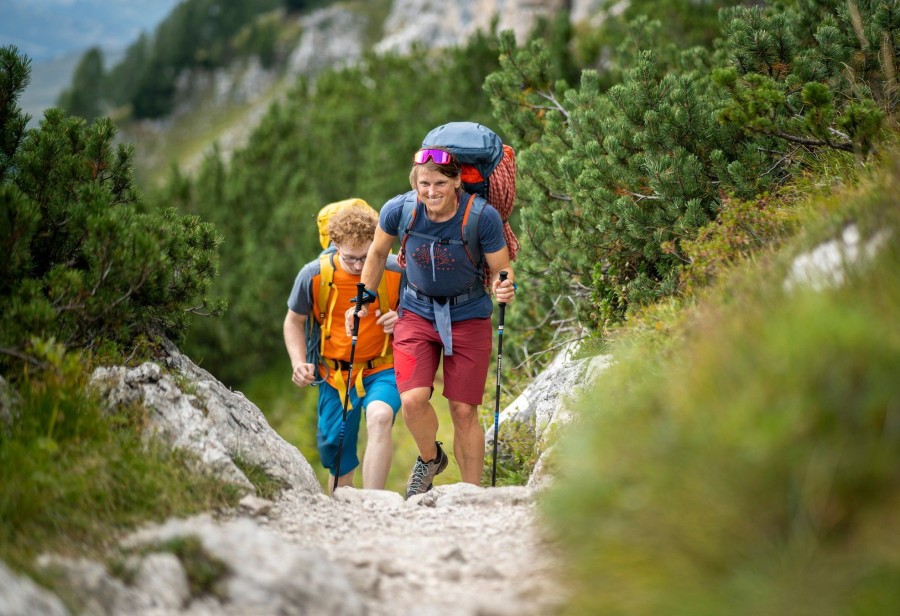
(204, 571)
(266, 486)
(517, 453)
(73, 476)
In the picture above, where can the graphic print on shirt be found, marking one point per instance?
(434, 256)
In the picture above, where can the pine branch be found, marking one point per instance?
(557, 106)
(198, 310)
(813, 143)
(12, 352)
(641, 197)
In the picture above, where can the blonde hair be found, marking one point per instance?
(352, 227)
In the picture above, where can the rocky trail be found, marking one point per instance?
(457, 550)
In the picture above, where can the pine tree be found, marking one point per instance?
(87, 262)
(85, 97)
(614, 179)
(122, 80)
(829, 87)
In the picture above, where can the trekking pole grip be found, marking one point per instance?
(360, 298)
(360, 295)
(503, 276)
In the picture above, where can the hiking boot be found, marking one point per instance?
(423, 473)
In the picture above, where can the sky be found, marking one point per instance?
(49, 29)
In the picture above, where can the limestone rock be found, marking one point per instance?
(19, 596)
(213, 422)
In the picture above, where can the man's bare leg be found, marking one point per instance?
(379, 448)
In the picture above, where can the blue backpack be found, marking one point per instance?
(479, 151)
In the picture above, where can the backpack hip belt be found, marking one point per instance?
(340, 367)
(472, 293)
(336, 364)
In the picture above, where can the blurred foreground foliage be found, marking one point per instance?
(744, 456)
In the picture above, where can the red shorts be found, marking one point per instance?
(418, 349)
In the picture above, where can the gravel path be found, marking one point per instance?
(458, 550)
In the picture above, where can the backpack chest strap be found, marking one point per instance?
(437, 240)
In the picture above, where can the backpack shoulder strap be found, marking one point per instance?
(326, 279)
(384, 304)
(407, 218)
(326, 296)
(472, 216)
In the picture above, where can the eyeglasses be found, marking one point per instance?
(440, 157)
(352, 260)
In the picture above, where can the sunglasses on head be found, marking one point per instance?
(440, 157)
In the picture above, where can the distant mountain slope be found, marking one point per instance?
(54, 34)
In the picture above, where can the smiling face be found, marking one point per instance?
(436, 190)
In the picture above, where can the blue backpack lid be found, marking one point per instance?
(472, 143)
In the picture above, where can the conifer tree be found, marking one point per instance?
(85, 97)
(87, 262)
(832, 87)
(123, 79)
(614, 179)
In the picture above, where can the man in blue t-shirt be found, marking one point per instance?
(446, 312)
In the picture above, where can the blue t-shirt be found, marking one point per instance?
(444, 270)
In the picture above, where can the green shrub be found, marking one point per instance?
(743, 228)
(620, 172)
(517, 453)
(204, 571)
(87, 263)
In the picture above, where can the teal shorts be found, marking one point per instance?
(381, 386)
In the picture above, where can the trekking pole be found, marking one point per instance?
(360, 289)
(503, 275)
